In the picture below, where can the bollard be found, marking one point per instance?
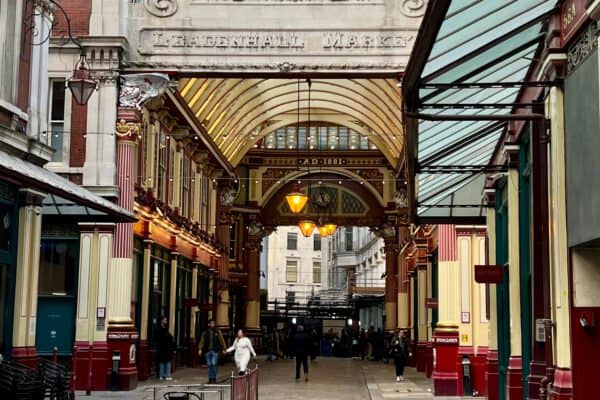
(55, 354)
(114, 371)
(466, 373)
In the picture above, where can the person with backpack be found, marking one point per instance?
(211, 344)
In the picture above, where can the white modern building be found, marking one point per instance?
(355, 260)
(293, 265)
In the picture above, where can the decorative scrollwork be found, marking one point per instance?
(139, 88)
(413, 8)
(161, 8)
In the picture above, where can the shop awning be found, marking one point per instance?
(66, 197)
(461, 88)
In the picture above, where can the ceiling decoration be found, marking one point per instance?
(237, 113)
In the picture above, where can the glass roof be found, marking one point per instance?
(490, 43)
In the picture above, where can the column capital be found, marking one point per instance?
(31, 197)
(129, 124)
(511, 154)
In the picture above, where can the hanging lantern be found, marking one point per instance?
(331, 228)
(323, 231)
(307, 227)
(296, 200)
(81, 84)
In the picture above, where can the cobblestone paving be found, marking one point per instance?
(330, 379)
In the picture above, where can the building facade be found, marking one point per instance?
(295, 269)
(355, 262)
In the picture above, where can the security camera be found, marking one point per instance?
(584, 322)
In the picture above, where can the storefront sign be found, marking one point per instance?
(572, 16)
(322, 161)
(443, 340)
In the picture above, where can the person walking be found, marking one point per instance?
(301, 349)
(164, 349)
(211, 344)
(242, 346)
(399, 353)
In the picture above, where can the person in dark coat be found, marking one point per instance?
(164, 349)
(399, 353)
(301, 345)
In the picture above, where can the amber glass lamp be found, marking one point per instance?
(296, 200)
(331, 228)
(307, 227)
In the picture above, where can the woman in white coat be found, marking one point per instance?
(243, 350)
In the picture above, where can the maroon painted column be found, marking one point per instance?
(122, 335)
(391, 249)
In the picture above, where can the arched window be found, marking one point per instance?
(322, 137)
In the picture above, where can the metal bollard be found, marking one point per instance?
(55, 354)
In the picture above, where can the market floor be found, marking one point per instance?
(329, 379)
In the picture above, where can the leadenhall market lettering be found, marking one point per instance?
(241, 41)
(306, 41)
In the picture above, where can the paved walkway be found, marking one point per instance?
(330, 379)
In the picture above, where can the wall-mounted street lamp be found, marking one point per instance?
(81, 84)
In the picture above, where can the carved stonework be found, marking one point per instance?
(227, 196)
(582, 48)
(127, 129)
(137, 89)
(401, 198)
(255, 229)
(413, 8)
(374, 177)
(272, 175)
(161, 8)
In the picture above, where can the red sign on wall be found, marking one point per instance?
(489, 273)
(572, 16)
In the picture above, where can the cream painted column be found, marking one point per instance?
(27, 273)
(448, 277)
(194, 296)
(514, 281)
(177, 178)
(429, 295)
(94, 258)
(173, 292)
(491, 237)
(559, 259)
(403, 303)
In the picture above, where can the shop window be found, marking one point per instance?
(58, 267)
(6, 226)
(316, 272)
(185, 186)
(291, 271)
(162, 179)
(56, 121)
(292, 241)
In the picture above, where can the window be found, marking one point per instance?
(58, 263)
(317, 242)
(163, 149)
(56, 122)
(185, 186)
(348, 239)
(291, 271)
(316, 272)
(292, 241)
(204, 204)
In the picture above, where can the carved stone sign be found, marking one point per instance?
(198, 42)
(267, 35)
